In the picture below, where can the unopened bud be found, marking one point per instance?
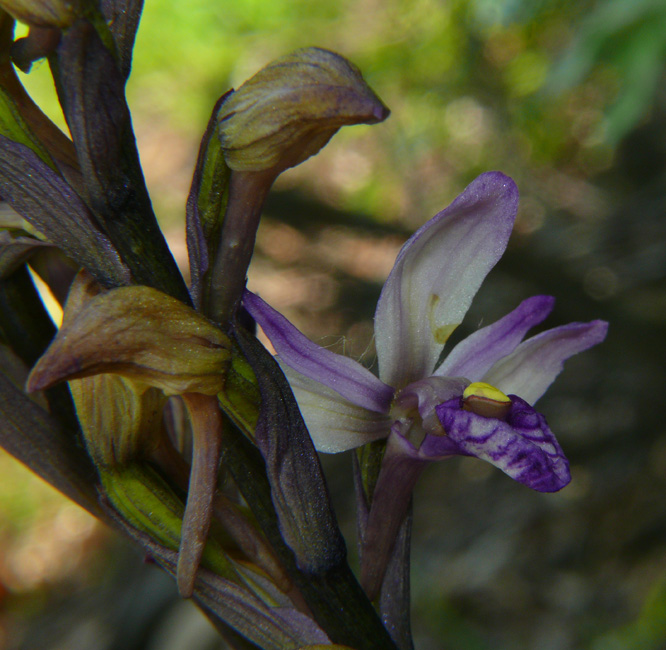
(139, 333)
(43, 13)
(291, 108)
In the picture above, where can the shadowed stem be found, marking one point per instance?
(206, 422)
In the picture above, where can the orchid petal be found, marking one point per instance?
(476, 354)
(344, 375)
(436, 275)
(335, 423)
(534, 364)
(523, 446)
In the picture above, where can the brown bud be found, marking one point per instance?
(137, 332)
(43, 13)
(291, 108)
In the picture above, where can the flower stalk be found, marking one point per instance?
(206, 421)
(277, 119)
(391, 498)
(247, 194)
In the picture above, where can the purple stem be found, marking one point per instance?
(390, 504)
(247, 194)
(206, 421)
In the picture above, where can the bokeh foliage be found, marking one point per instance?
(473, 84)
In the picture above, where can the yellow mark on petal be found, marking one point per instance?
(440, 333)
(486, 400)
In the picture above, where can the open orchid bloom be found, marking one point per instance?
(479, 400)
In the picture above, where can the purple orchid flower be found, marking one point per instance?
(435, 276)
(477, 402)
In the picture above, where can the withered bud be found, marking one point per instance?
(291, 108)
(137, 332)
(43, 13)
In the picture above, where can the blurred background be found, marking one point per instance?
(567, 98)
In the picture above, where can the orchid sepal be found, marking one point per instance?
(335, 423)
(344, 375)
(437, 273)
(533, 366)
(478, 352)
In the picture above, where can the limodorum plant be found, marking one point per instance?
(155, 407)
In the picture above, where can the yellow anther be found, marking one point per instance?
(485, 391)
(486, 400)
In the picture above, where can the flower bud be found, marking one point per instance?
(136, 332)
(43, 13)
(291, 108)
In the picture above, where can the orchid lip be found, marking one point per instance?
(521, 445)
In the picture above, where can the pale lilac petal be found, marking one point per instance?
(476, 354)
(335, 424)
(344, 375)
(522, 446)
(534, 364)
(436, 275)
